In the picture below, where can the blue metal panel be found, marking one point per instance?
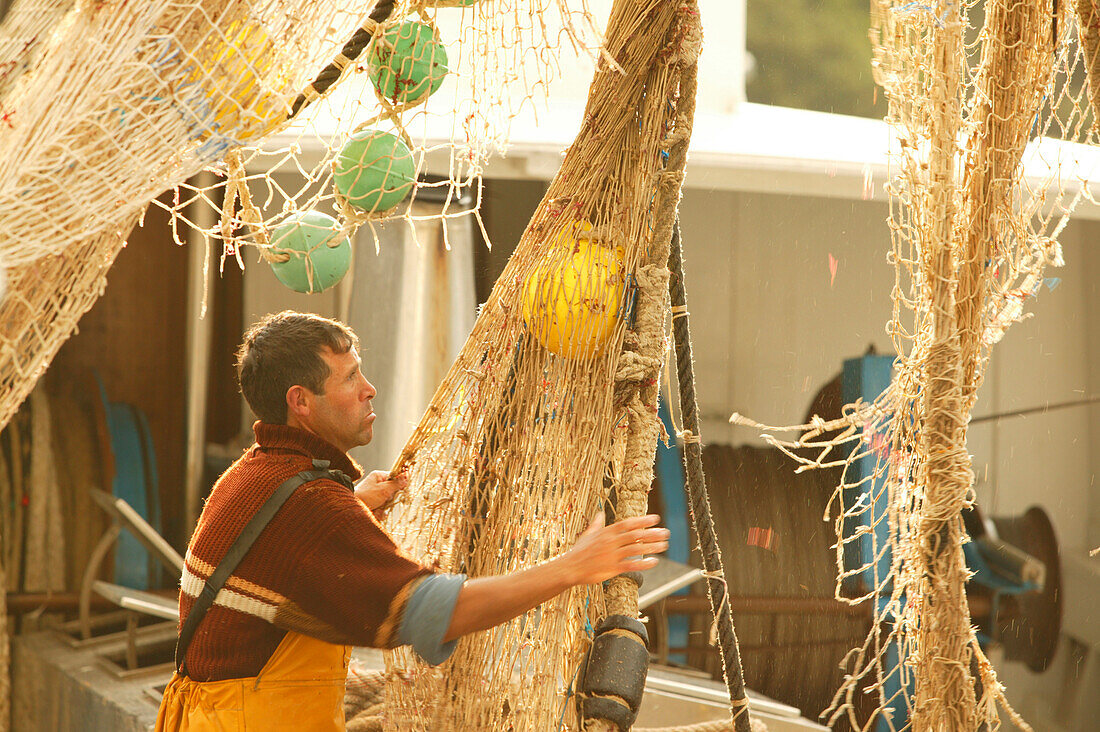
(152, 488)
(670, 470)
(131, 558)
(865, 378)
(135, 474)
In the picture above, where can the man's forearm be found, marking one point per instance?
(600, 553)
(488, 601)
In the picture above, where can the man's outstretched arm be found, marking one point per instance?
(601, 552)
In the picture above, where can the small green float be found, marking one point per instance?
(316, 261)
(375, 170)
(408, 64)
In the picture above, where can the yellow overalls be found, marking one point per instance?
(301, 687)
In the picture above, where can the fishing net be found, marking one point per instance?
(549, 410)
(988, 102)
(104, 105)
(429, 88)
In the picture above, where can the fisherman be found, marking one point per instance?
(288, 567)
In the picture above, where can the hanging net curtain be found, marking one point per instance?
(989, 102)
(105, 105)
(549, 411)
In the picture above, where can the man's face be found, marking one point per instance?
(343, 414)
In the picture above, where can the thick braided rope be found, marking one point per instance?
(1011, 92)
(651, 306)
(1089, 29)
(718, 725)
(944, 694)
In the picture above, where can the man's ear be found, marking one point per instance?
(297, 401)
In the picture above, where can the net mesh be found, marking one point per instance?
(436, 88)
(549, 409)
(988, 101)
(180, 86)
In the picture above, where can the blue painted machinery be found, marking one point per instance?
(136, 483)
(670, 473)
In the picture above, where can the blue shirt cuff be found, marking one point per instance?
(428, 616)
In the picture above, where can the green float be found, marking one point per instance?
(408, 64)
(375, 170)
(317, 261)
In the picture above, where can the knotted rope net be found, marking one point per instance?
(105, 104)
(986, 118)
(549, 411)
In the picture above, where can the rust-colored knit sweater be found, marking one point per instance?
(323, 566)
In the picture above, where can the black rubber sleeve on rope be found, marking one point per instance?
(609, 710)
(623, 622)
(351, 51)
(612, 678)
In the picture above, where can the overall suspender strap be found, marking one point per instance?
(240, 548)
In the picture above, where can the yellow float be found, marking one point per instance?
(242, 86)
(573, 299)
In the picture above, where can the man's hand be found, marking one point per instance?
(603, 552)
(377, 489)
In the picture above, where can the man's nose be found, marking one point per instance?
(370, 391)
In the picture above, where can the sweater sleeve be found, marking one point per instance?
(428, 616)
(354, 584)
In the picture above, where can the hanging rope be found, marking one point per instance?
(348, 54)
(636, 380)
(701, 520)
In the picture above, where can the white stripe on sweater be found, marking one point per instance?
(204, 569)
(191, 585)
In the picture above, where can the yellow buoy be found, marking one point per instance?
(237, 84)
(573, 299)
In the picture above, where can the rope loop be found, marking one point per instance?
(689, 438)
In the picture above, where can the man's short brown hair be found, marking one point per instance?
(284, 350)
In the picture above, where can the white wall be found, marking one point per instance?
(769, 330)
(1044, 458)
(769, 327)
(1049, 459)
